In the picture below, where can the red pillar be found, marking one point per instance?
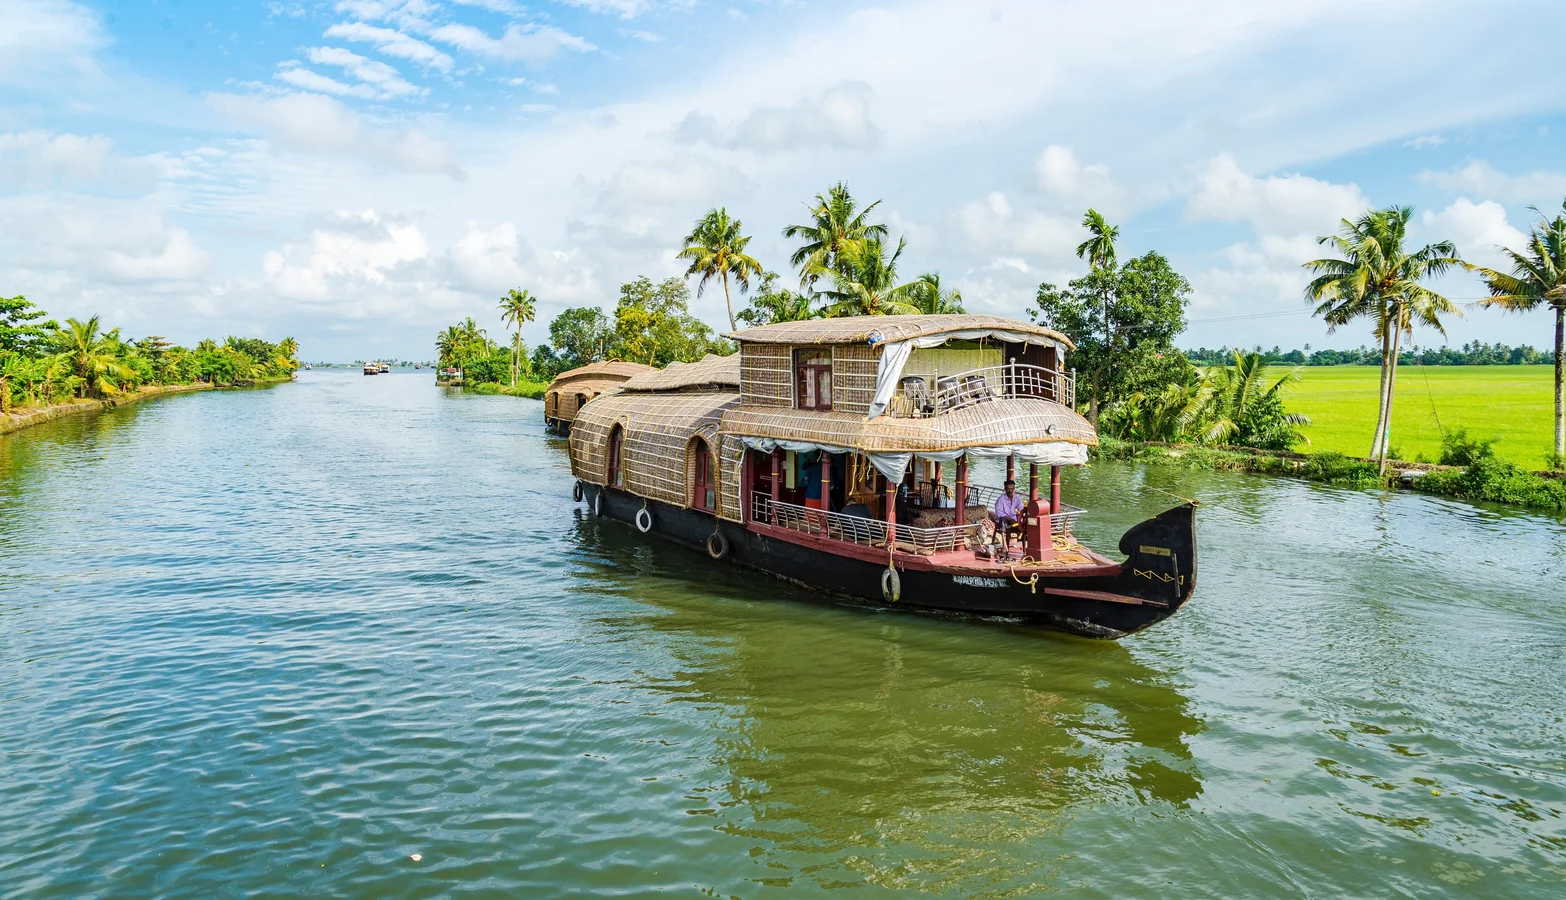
(777, 484)
(1035, 520)
(826, 480)
(1011, 468)
(962, 489)
(1054, 489)
(891, 514)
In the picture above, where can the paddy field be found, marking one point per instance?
(1513, 404)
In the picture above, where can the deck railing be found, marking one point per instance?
(922, 396)
(867, 532)
(1061, 522)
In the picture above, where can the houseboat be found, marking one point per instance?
(371, 369)
(385, 368)
(819, 453)
(572, 388)
(448, 377)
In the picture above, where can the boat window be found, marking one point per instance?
(616, 475)
(704, 492)
(813, 379)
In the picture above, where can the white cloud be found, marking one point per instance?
(1068, 183)
(314, 124)
(625, 9)
(290, 72)
(38, 35)
(358, 247)
(392, 43)
(1478, 230)
(1426, 140)
(179, 260)
(532, 44)
(507, 7)
(644, 36)
(992, 225)
(1274, 205)
(37, 156)
(838, 118)
(383, 79)
(1478, 177)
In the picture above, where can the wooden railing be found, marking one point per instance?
(923, 396)
(867, 532)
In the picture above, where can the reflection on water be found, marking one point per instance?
(277, 642)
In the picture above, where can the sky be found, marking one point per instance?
(361, 173)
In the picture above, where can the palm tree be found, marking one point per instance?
(834, 226)
(516, 308)
(1538, 278)
(89, 356)
(770, 305)
(716, 249)
(448, 344)
(1099, 251)
(1239, 388)
(866, 283)
(1377, 278)
(927, 295)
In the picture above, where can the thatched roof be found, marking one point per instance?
(611, 371)
(858, 329)
(1022, 420)
(710, 373)
(658, 427)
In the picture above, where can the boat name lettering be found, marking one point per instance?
(979, 581)
(1155, 551)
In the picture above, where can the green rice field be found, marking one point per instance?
(1512, 403)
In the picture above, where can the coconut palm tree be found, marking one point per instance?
(1240, 388)
(448, 344)
(1375, 277)
(716, 249)
(1538, 279)
(926, 293)
(516, 308)
(88, 355)
(866, 283)
(769, 304)
(835, 225)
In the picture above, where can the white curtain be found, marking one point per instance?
(895, 355)
(893, 465)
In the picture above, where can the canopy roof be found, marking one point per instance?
(860, 329)
(1023, 420)
(609, 370)
(711, 372)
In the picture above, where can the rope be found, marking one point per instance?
(1033, 580)
(1190, 500)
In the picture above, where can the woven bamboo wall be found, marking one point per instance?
(853, 377)
(731, 460)
(658, 432)
(767, 374)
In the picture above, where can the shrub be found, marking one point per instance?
(1335, 468)
(1498, 481)
(1457, 449)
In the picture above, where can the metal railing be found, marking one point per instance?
(922, 396)
(1062, 522)
(867, 532)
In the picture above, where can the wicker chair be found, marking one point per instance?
(918, 394)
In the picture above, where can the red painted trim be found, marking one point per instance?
(1102, 595)
(919, 563)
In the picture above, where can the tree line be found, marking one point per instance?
(1473, 353)
(43, 362)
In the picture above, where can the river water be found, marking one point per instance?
(282, 641)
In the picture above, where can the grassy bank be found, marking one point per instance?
(1492, 479)
(18, 419)
(532, 390)
(1513, 404)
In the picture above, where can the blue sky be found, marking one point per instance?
(361, 173)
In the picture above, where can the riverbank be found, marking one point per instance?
(528, 390)
(1491, 480)
(16, 421)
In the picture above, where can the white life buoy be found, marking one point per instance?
(643, 520)
(717, 545)
(576, 492)
(891, 585)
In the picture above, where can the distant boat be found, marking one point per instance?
(307, 367)
(385, 369)
(371, 369)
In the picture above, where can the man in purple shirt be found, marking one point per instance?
(1008, 512)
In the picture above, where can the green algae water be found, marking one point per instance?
(350, 637)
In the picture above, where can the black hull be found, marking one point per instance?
(1156, 580)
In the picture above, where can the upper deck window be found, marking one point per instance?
(813, 379)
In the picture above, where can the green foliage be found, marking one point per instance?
(716, 250)
(1123, 321)
(1458, 449)
(1335, 468)
(516, 309)
(927, 294)
(865, 282)
(774, 304)
(544, 364)
(580, 335)
(21, 332)
(653, 325)
(836, 224)
(1498, 481)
